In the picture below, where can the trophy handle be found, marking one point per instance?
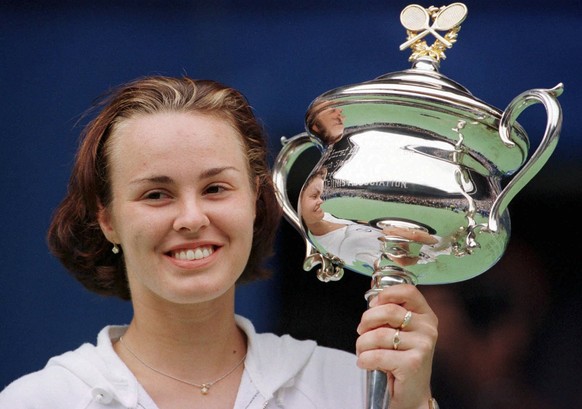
(290, 152)
(331, 267)
(539, 158)
(292, 149)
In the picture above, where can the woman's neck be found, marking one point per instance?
(194, 341)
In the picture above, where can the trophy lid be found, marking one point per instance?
(422, 97)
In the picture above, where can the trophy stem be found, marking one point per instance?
(377, 394)
(387, 276)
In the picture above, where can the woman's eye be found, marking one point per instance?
(215, 189)
(155, 195)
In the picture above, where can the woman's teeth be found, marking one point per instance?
(194, 254)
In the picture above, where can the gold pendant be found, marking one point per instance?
(204, 389)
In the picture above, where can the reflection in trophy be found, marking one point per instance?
(327, 121)
(357, 242)
(415, 173)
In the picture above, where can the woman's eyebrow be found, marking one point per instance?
(216, 171)
(166, 180)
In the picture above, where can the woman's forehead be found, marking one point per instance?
(170, 137)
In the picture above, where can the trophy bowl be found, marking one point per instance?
(414, 174)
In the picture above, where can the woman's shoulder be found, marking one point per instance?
(74, 378)
(329, 379)
(312, 375)
(287, 344)
(52, 386)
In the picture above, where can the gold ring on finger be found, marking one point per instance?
(406, 320)
(396, 340)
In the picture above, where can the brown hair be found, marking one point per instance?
(74, 235)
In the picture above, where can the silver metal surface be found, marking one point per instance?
(414, 151)
(414, 173)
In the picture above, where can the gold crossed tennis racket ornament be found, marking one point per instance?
(420, 21)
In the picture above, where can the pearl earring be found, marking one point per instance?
(115, 249)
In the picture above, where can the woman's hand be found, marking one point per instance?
(399, 343)
(401, 238)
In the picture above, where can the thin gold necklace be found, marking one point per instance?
(204, 387)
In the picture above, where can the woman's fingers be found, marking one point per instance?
(391, 306)
(398, 335)
(415, 235)
(389, 339)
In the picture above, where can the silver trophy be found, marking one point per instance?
(413, 175)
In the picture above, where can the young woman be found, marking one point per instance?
(170, 205)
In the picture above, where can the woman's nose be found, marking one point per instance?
(191, 216)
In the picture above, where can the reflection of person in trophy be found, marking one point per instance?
(352, 241)
(170, 205)
(343, 238)
(326, 121)
(317, 221)
(487, 327)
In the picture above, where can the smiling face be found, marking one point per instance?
(310, 204)
(182, 207)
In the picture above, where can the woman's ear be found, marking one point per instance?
(106, 224)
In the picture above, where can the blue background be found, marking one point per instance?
(57, 56)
